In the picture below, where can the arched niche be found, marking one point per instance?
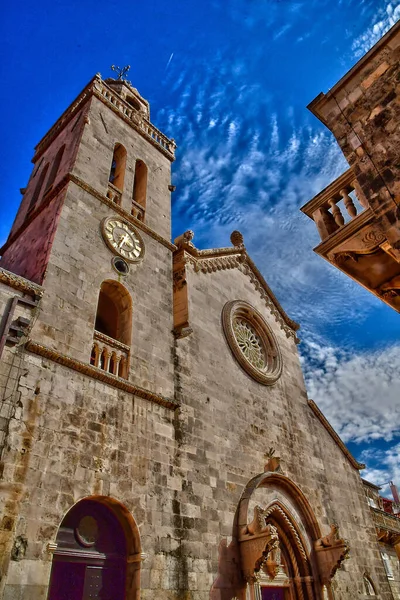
(114, 312)
(97, 553)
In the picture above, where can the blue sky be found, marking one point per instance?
(230, 81)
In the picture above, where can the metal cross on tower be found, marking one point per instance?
(121, 72)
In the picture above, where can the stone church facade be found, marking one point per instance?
(156, 436)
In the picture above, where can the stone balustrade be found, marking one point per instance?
(109, 355)
(136, 117)
(114, 194)
(384, 520)
(336, 205)
(137, 211)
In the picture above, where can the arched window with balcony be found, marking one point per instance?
(117, 174)
(55, 167)
(113, 326)
(139, 190)
(38, 188)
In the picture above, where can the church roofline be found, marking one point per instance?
(324, 421)
(216, 259)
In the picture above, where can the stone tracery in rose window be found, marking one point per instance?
(252, 341)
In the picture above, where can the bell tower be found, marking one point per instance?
(93, 229)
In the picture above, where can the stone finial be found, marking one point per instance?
(237, 239)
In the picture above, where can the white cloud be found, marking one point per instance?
(358, 392)
(384, 20)
(388, 469)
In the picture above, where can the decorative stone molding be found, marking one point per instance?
(252, 342)
(357, 465)
(95, 373)
(125, 214)
(330, 551)
(221, 259)
(20, 283)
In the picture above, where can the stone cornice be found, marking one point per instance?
(20, 283)
(220, 259)
(98, 374)
(125, 214)
(322, 419)
(91, 190)
(64, 119)
(316, 104)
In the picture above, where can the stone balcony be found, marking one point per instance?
(352, 240)
(110, 355)
(114, 194)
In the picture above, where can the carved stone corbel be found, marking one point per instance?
(256, 541)
(330, 551)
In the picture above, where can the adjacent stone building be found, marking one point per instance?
(358, 214)
(156, 436)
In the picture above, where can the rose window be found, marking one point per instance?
(252, 341)
(249, 343)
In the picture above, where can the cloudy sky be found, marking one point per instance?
(230, 81)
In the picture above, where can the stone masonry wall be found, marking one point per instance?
(363, 113)
(228, 422)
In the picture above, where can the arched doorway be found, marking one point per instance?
(97, 554)
(283, 555)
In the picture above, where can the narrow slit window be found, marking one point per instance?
(38, 189)
(55, 168)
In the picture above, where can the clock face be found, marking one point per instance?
(123, 239)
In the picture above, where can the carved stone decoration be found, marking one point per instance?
(256, 542)
(252, 342)
(185, 240)
(330, 551)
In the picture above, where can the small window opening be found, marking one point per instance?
(38, 189)
(368, 586)
(55, 167)
(118, 163)
(387, 565)
(133, 102)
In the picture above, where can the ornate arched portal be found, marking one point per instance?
(282, 553)
(97, 553)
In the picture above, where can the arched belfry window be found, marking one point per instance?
(139, 190)
(113, 325)
(38, 188)
(55, 167)
(117, 171)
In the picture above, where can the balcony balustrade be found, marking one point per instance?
(114, 194)
(140, 121)
(110, 355)
(384, 520)
(328, 209)
(137, 211)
